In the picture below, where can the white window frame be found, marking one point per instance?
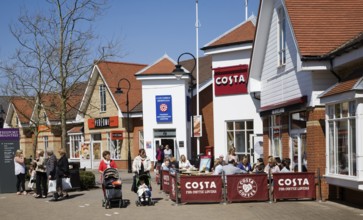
(281, 36)
(46, 143)
(114, 146)
(73, 139)
(103, 103)
(246, 132)
(333, 119)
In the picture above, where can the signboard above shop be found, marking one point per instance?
(105, 122)
(231, 80)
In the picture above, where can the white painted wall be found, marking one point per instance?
(232, 107)
(178, 89)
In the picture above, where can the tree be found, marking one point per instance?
(55, 52)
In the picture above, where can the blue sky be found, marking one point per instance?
(146, 29)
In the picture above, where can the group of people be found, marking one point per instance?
(231, 165)
(43, 170)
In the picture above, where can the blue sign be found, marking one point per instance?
(164, 111)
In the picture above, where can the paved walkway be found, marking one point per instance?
(88, 205)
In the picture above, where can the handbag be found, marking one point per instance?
(66, 183)
(52, 186)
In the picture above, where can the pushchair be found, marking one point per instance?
(142, 187)
(112, 188)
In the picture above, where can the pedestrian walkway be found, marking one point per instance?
(88, 205)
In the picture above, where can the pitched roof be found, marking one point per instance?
(51, 102)
(165, 65)
(205, 68)
(113, 72)
(352, 82)
(321, 26)
(23, 107)
(244, 32)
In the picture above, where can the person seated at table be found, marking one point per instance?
(258, 168)
(285, 165)
(166, 164)
(221, 160)
(173, 163)
(184, 163)
(245, 165)
(230, 168)
(218, 168)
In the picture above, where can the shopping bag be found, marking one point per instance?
(52, 186)
(30, 185)
(66, 183)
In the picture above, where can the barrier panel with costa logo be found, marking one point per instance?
(247, 187)
(173, 185)
(294, 185)
(165, 181)
(201, 188)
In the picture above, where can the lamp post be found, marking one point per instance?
(179, 72)
(120, 91)
(2, 112)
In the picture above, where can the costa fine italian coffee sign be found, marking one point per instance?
(231, 80)
(294, 185)
(247, 187)
(201, 188)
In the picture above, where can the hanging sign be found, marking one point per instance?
(164, 111)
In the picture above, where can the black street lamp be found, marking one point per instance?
(179, 72)
(2, 112)
(119, 91)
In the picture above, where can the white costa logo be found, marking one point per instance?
(201, 185)
(294, 182)
(247, 187)
(230, 80)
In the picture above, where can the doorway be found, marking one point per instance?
(167, 141)
(298, 152)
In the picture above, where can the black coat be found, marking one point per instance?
(62, 167)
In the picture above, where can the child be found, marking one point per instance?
(32, 174)
(143, 191)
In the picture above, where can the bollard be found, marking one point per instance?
(176, 189)
(270, 185)
(224, 185)
(319, 186)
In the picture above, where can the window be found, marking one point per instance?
(103, 98)
(238, 136)
(114, 146)
(46, 143)
(275, 136)
(342, 138)
(141, 140)
(75, 146)
(281, 36)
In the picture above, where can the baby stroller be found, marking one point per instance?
(143, 190)
(112, 188)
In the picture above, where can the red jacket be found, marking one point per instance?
(103, 165)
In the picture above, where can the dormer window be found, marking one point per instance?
(102, 98)
(281, 37)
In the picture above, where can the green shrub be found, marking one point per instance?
(87, 179)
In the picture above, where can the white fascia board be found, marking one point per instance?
(87, 93)
(315, 65)
(227, 49)
(353, 55)
(158, 77)
(338, 97)
(254, 85)
(205, 84)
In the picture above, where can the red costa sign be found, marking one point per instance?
(231, 80)
(294, 185)
(249, 187)
(165, 181)
(201, 188)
